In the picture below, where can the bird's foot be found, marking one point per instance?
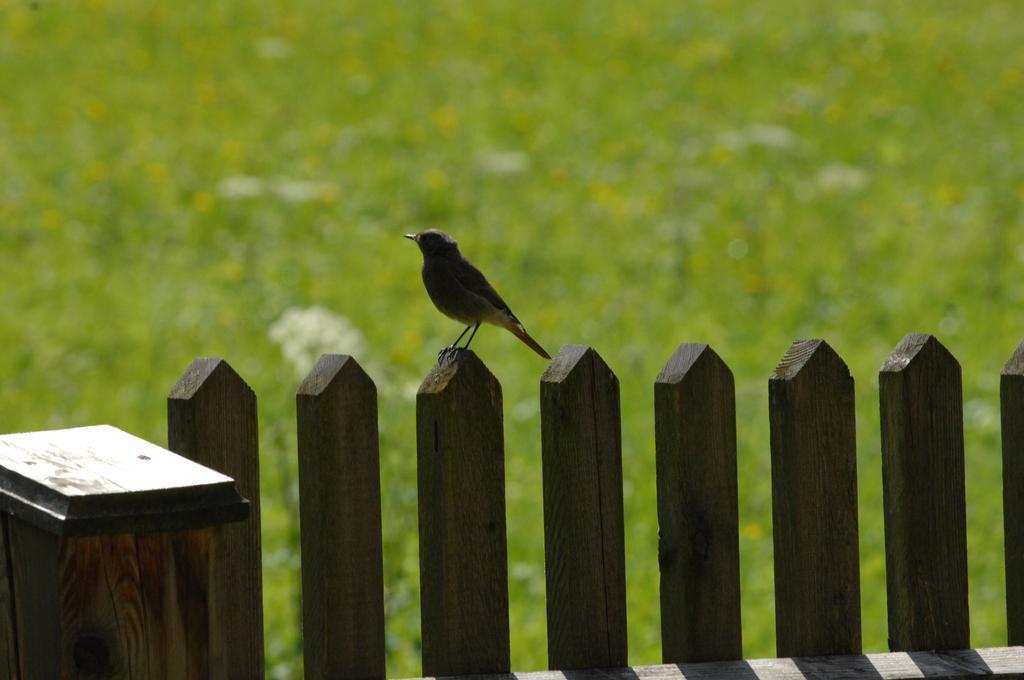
(447, 353)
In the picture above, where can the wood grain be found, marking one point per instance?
(698, 525)
(1002, 662)
(8, 620)
(923, 485)
(211, 419)
(339, 495)
(113, 606)
(814, 503)
(35, 557)
(125, 606)
(583, 522)
(1011, 397)
(463, 553)
(99, 479)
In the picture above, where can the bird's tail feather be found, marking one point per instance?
(520, 332)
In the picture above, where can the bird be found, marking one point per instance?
(460, 291)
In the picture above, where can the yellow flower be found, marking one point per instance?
(446, 120)
(202, 201)
(753, 531)
(947, 194)
(96, 171)
(721, 154)
(157, 173)
(52, 219)
(96, 110)
(437, 179)
(231, 150)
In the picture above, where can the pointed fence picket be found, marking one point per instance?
(923, 489)
(211, 419)
(1011, 396)
(814, 503)
(340, 519)
(698, 510)
(460, 463)
(584, 548)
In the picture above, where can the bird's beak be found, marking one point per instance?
(411, 237)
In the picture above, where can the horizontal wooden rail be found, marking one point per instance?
(1003, 662)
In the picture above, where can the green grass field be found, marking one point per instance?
(176, 179)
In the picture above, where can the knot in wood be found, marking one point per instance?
(92, 654)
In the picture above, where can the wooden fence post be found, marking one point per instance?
(339, 503)
(923, 485)
(583, 523)
(106, 556)
(814, 503)
(698, 525)
(1011, 396)
(211, 419)
(463, 551)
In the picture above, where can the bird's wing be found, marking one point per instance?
(475, 282)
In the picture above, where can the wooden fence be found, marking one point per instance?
(212, 419)
(463, 558)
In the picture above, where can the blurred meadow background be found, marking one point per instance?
(233, 179)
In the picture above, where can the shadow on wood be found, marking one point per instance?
(211, 418)
(921, 403)
(698, 525)
(814, 502)
(584, 553)
(460, 465)
(339, 500)
(1011, 398)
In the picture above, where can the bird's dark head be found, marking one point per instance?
(434, 242)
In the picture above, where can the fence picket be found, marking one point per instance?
(463, 551)
(583, 522)
(1011, 397)
(211, 419)
(698, 530)
(923, 486)
(340, 519)
(814, 503)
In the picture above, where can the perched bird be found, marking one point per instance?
(461, 292)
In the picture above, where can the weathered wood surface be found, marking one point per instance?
(698, 524)
(1003, 662)
(1011, 391)
(463, 551)
(113, 606)
(924, 503)
(99, 479)
(584, 546)
(211, 419)
(340, 519)
(814, 503)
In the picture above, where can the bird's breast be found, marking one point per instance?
(449, 296)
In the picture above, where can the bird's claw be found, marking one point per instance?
(446, 353)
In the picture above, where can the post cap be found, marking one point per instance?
(102, 480)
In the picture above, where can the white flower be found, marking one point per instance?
(271, 47)
(240, 186)
(841, 177)
(298, 190)
(305, 333)
(287, 189)
(503, 162)
(762, 134)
